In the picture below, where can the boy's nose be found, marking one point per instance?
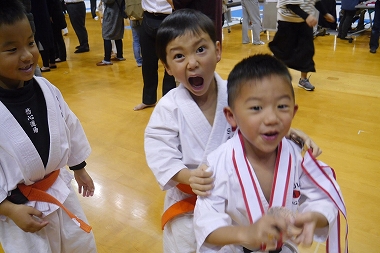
(192, 62)
(270, 117)
(26, 55)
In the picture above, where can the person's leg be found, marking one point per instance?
(253, 9)
(77, 15)
(150, 61)
(45, 60)
(93, 8)
(245, 23)
(305, 56)
(107, 54)
(119, 49)
(374, 40)
(346, 26)
(135, 26)
(60, 46)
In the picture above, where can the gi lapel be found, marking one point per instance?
(209, 137)
(30, 162)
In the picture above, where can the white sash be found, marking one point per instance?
(250, 185)
(316, 171)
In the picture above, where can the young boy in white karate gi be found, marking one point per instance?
(259, 169)
(188, 122)
(39, 136)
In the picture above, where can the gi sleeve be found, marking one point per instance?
(79, 146)
(162, 144)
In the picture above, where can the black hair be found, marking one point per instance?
(255, 67)
(177, 24)
(11, 11)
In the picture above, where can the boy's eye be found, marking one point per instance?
(178, 56)
(256, 108)
(200, 49)
(32, 43)
(12, 50)
(283, 106)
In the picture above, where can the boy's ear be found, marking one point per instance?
(167, 68)
(218, 51)
(295, 110)
(230, 116)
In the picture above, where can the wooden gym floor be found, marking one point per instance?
(342, 115)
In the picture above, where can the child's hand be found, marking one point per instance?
(329, 18)
(311, 21)
(265, 233)
(85, 182)
(201, 181)
(308, 221)
(300, 137)
(27, 218)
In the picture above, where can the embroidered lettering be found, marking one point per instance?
(30, 118)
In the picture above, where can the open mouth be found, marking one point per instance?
(196, 82)
(270, 135)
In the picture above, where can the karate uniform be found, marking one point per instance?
(235, 200)
(179, 136)
(21, 163)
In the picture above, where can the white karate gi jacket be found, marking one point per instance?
(225, 206)
(179, 136)
(21, 163)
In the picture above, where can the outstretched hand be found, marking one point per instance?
(201, 181)
(86, 186)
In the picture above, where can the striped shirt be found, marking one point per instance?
(285, 14)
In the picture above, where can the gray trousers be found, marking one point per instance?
(252, 20)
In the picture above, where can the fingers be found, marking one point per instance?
(316, 150)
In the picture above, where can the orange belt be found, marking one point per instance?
(181, 207)
(37, 192)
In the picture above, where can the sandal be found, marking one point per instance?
(104, 63)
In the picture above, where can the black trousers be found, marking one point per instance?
(150, 24)
(77, 15)
(93, 8)
(293, 44)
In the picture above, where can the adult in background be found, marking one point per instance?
(374, 41)
(112, 29)
(77, 14)
(58, 22)
(349, 10)
(251, 18)
(211, 8)
(155, 11)
(44, 34)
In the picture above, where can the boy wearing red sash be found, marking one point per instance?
(260, 170)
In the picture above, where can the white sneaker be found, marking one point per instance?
(96, 18)
(259, 43)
